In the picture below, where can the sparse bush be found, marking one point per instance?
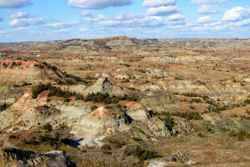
(212, 108)
(108, 99)
(241, 135)
(100, 98)
(2, 55)
(196, 100)
(47, 127)
(169, 121)
(138, 151)
(190, 94)
(37, 89)
(117, 141)
(3, 107)
(247, 101)
(147, 154)
(216, 109)
(179, 78)
(52, 90)
(201, 135)
(132, 97)
(190, 115)
(91, 162)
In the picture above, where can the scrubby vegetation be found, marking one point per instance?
(109, 99)
(217, 109)
(168, 121)
(3, 107)
(189, 115)
(2, 55)
(240, 135)
(247, 101)
(52, 91)
(138, 151)
(101, 98)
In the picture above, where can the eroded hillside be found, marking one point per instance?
(125, 102)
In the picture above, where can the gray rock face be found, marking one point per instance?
(102, 86)
(22, 158)
(27, 113)
(92, 127)
(155, 128)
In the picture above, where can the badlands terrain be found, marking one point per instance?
(125, 102)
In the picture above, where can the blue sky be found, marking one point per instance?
(35, 20)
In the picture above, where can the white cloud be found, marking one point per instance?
(236, 14)
(11, 31)
(19, 23)
(162, 10)
(207, 9)
(167, 10)
(205, 20)
(61, 25)
(157, 3)
(2, 32)
(125, 20)
(237, 17)
(99, 4)
(158, 14)
(19, 15)
(208, 6)
(22, 19)
(83, 29)
(211, 2)
(176, 17)
(14, 3)
(243, 23)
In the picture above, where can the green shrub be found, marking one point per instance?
(169, 121)
(100, 98)
(190, 94)
(132, 97)
(212, 108)
(3, 89)
(138, 151)
(3, 107)
(52, 90)
(201, 135)
(108, 99)
(196, 100)
(37, 89)
(241, 135)
(247, 101)
(2, 54)
(215, 108)
(190, 115)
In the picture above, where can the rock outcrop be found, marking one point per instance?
(30, 72)
(10, 157)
